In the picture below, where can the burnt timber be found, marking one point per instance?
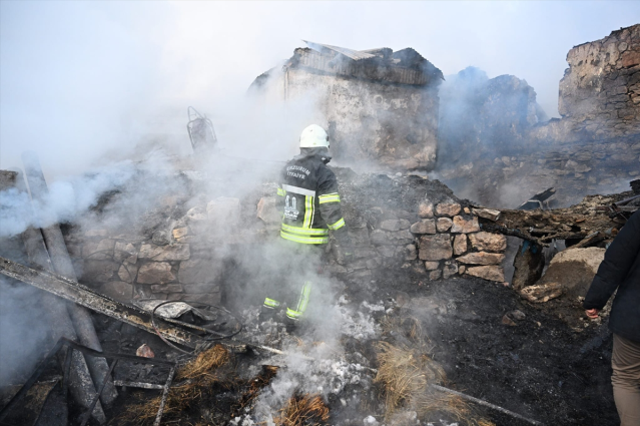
(81, 295)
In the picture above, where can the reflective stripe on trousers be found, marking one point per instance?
(303, 302)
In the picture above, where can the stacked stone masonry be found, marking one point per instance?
(437, 239)
(600, 91)
(130, 267)
(459, 247)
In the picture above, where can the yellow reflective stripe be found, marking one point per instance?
(303, 301)
(281, 192)
(335, 226)
(334, 197)
(304, 231)
(294, 315)
(308, 211)
(270, 303)
(304, 240)
(331, 200)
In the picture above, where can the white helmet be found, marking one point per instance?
(314, 136)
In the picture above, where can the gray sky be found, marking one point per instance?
(78, 79)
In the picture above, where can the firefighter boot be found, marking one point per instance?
(269, 309)
(295, 315)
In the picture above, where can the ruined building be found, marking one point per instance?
(483, 117)
(593, 148)
(600, 91)
(378, 105)
(442, 295)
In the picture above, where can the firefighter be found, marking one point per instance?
(309, 201)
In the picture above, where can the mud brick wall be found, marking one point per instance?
(600, 91)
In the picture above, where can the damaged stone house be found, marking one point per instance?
(409, 232)
(378, 105)
(593, 148)
(600, 91)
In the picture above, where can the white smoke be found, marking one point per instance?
(323, 368)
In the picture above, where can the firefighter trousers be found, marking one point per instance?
(298, 265)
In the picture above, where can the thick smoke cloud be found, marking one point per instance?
(485, 117)
(100, 92)
(80, 79)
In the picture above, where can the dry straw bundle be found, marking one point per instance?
(304, 410)
(405, 372)
(211, 367)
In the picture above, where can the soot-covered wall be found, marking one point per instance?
(381, 110)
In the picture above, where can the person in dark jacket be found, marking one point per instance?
(310, 204)
(620, 270)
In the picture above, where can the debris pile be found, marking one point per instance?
(409, 232)
(574, 169)
(592, 149)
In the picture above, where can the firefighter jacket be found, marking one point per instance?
(309, 200)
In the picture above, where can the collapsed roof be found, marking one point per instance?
(404, 66)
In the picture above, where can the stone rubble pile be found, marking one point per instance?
(574, 169)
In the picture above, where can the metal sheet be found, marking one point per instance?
(356, 55)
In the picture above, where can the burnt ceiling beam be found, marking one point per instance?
(83, 296)
(61, 262)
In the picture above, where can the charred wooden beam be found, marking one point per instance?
(68, 346)
(485, 403)
(61, 262)
(514, 232)
(83, 296)
(590, 240)
(82, 386)
(538, 199)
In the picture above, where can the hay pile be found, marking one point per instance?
(256, 386)
(304, 410)
(405, 372)
(194, 382)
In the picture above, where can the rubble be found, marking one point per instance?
(570, 272)
(460, 242)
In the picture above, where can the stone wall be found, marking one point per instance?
(600, 91)
(370, 116)
(449, 241)
(169, 259)
(407, 221)
(394, 222)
